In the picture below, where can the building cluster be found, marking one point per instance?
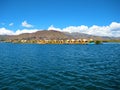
(67, 41)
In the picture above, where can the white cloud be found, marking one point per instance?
(27, 25)
(71, 29)
(4, 31)
(53, 28)
(115, 25)
(11, 24)
(25, 31)
(111, 30)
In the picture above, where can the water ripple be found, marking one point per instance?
(59, 67)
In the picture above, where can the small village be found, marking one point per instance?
(67, 41)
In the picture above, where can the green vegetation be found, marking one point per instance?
(98, 42)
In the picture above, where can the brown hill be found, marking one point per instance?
(52, 34)
(45, 34)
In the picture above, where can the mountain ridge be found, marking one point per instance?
(54, 34)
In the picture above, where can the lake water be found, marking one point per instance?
(59, 67)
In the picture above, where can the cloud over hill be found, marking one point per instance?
(112, 30)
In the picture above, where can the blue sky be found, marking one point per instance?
(41, 14)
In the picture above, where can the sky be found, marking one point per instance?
(95, 17)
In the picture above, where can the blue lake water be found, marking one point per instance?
(59, 67)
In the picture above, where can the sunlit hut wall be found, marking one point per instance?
(78, 41)
(41, 41)
(84, 41)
